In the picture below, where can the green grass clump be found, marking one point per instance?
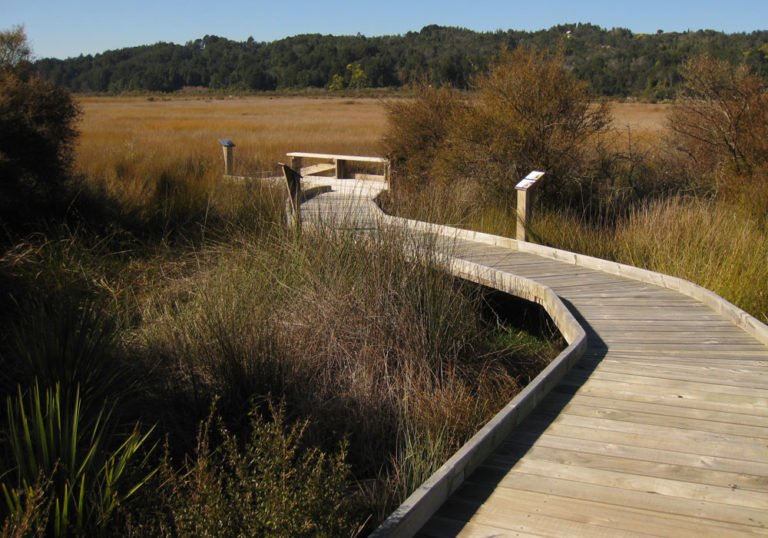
(86, 473)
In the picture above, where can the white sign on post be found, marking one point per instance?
(529, 180)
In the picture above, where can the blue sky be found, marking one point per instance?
(68, 28)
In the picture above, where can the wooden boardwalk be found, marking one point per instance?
(660, 429)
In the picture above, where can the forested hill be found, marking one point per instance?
(615, 62)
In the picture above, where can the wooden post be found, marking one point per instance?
(525, 195)
(387, 173)
(340, 168)
(293, 182)
(229, 157)
(524, 203)
(296, 164)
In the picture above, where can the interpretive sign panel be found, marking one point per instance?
(529, 180)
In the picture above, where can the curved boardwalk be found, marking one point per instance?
(660, 429)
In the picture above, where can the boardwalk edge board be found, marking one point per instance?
(416, 510)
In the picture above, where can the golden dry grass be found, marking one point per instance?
(642, 117)
(263, 128)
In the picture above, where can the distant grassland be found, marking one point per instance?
(263, 128)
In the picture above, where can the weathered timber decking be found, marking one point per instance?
(660, 429)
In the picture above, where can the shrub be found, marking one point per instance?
(268, 484)
(36, 135)
(720, 122)
(529, 113)
(416, 132)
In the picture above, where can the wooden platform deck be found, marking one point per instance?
(661, 429)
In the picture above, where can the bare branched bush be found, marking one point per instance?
(720, 121)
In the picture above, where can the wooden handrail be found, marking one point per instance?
(339, 162)
(358, 158)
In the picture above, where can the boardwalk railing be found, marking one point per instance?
(338, 164)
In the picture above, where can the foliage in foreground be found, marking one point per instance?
(54, 439)
(263, 483)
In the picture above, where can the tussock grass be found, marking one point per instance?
(264, 130)
(715, 245)
(358, 339)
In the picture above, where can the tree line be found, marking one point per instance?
(614, 62)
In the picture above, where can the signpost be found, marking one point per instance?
(525, 194)
(229, 159)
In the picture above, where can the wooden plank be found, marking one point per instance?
(751, 475)
(593, 313)
(660, 382)
(755, 518)
(746, 405)
(359, 158)
(753, 360)
(702, 349)
(316, 169)
(700, 443)
(509, 516)
(738, 377)
(651, 312)
(629, 481)
(611, 516)
(556, 399)
(663, 328)
(636, 303)
(709, 339)
(733, 429)
(644, 464)
(440, 527)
